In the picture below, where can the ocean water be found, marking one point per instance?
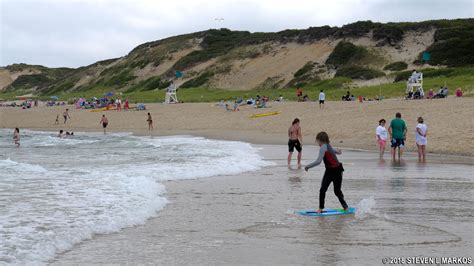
(55, 193)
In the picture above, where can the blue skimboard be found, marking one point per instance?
(327, 212)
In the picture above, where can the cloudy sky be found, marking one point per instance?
(75, 33)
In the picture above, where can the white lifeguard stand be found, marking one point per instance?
(415, 83)
(171, 96)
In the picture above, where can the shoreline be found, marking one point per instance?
(348, 124)
(274, 140)
(249, 218)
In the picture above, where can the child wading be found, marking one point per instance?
(333, 171)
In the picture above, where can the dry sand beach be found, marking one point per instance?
(350, 124)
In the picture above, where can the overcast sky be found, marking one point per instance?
(75, 33)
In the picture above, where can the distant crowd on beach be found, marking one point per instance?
(414, 90)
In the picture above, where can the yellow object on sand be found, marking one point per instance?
(265, 114)
(99, 109)
(103, 109)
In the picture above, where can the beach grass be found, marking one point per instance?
(333, 88)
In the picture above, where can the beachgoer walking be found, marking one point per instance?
(333, 171)
(57, 120)
(295, 140)
(421, 133)
(397, 131)
(104, 121)
(16, 137)
(150, 122)
(125, 106)
(381, 133)
(66, 115)
(322, 97)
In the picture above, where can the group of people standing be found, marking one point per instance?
(334, 169)
(397, 131)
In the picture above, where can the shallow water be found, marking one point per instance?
(405, 209)
(55, 193)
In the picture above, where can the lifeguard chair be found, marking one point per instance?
(415, 86)
(171, 96)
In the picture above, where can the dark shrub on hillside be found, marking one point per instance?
(404, 75)
(198, 81)
(453, 52)
(357, 72)
(120, 79)
(154, 83)
(344, 53)
(305, 69)
(29, 81)
(397, 66)
(390, 33)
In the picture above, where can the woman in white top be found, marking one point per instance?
(421, 132)
(381, 133)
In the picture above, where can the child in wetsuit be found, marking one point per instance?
(333, 171)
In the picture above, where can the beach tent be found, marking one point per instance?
(109, 94)
(54, 97)
(426, 56)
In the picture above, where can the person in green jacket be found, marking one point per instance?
(397, 131)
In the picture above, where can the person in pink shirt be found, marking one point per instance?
(125, 106)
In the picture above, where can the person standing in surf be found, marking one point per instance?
(295, 140)
(16, 137)
(381, 134)
(421, 133)
(397, 131)
(150, 122)
(104, 121)
(333, 171)
(66, 115)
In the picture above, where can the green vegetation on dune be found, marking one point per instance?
(346, 53)
(358, 72)
(396, 66)
(351, 61)
(453, 44)
(333, 88)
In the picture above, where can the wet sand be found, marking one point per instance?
(417, 210)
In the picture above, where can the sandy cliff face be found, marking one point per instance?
(269, 63)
